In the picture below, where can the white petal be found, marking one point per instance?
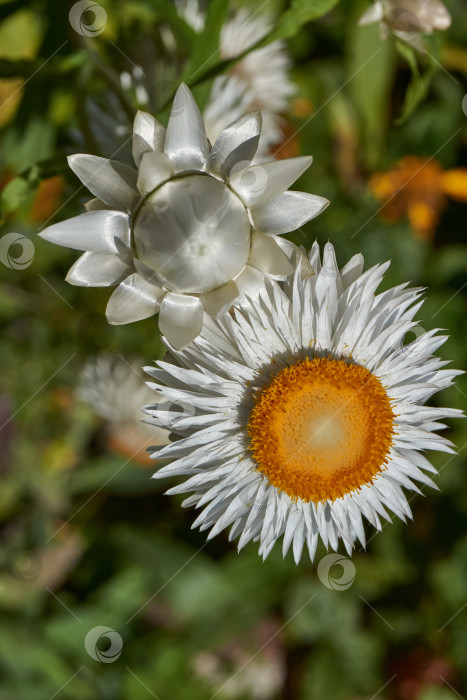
(133, 300)
(287, 212)
(98, 231)
(373, 14)
(114, 183)
(97, 270)
(352, 270)
(259, 184)
(250, 282)
(186, 143)
(237, 143)
(219, 300)
(95, 205)
(267, 256)
(180, 318)
(148, 135)
(154, 169)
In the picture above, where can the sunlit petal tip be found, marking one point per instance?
(112, 182)
(218, 301)
(148, 135)
(154, 169)
(95, 205)
(287, 212)
(373, 14)
(237, 143)
(257, 185)
(133, 300)
(97, 270)
(180, 318)
(186, 142)
(98, 231)
(266, 255)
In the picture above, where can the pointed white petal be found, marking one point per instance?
(180, 318)
(250, 282)
(287, 212)
(98, 231)
(352, 270)
(133, 300)
(95, 205)
(373, 14)
(259, 184)
(219, 300)
(186, 143)
(237, 143)
(148, 135)
(154, 169)
(114, 183)
(97, 270)
(266, 255)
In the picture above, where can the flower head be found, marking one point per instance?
(192, 228)
(408, 19)
(308, 410)
(418, 189)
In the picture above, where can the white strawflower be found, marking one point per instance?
(407, 19)
(309, 410)
(192, 228)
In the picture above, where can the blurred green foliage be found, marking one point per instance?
(87, 539)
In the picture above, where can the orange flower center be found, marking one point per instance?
(321, 429)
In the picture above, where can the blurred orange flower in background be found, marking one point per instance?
(418, 189)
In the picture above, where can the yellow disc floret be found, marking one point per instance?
(322, 428)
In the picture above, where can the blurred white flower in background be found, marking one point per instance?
(116, 390)
(260, 80)
(408, 19)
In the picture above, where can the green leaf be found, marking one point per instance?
(14, 195)
(290, 23)
(300, 13)
(206, 50)
(419, 84)
(166, 10)
(9, 7)
(370, 68)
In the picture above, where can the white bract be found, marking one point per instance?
(192, 228)
(308, 410)
(407, 19)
